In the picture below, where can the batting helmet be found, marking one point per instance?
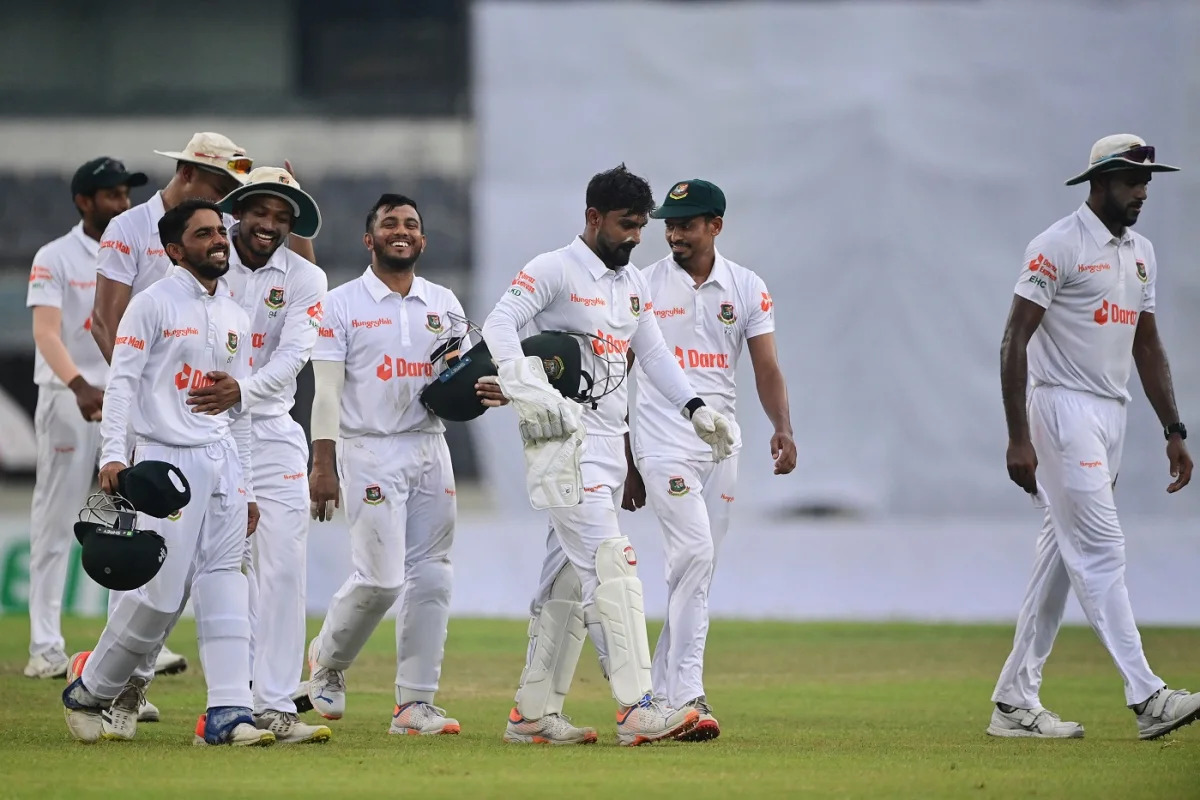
(116, 554)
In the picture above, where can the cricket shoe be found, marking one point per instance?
(232, 726)
(550, 729)
(1032, 723)
(326, 687)
(82, 708)
(1166, 710)
(706, 728)
(422, 719)
(47, 665)
(169, 663)
(651, 721)
(120, 719)
(148, 712)
(288, 728)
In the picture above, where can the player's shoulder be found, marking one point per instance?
(1141, 244)
(303, 271)
(54, 251)
(655, 271)
(743, 276)
(436, 294)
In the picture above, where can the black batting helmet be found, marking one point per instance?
(116, 554)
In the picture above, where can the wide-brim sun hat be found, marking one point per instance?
(282, 184)
(215, 151)
(1121, 151)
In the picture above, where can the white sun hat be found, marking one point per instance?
(215, 151)
(1117, 152)
(282, 184)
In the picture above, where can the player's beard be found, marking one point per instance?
(259, 250)
(613, 255)
(390, 261)
(204, 265)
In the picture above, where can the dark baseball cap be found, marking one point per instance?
(104, 173)
(691, 199)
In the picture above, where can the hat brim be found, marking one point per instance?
(307, 217)
(1118, 165)
(237, 176)
(682, 211)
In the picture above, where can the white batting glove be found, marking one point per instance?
(715, 430)
(542, 412)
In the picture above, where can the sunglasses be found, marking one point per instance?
(1141, 154)
(238, 165)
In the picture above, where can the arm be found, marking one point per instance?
(116, 268)
(1023, 319)
(1150, 357)
(137, 327)
(301, 321)
(660, 366)
(329, 378)
(772, 393)
(531, 291)
(47, 336)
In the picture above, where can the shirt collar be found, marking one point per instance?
(584, 255)
(379, 290)
(90, 244)
(1100, 233)
(193, 287)
(157, 209)
(721, 275)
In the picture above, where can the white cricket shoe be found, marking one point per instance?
(550, 729)
(651, 721)
(169, 663)
(326, 687)
(422, 719)
(706, 728)
(148, 712)
(1032, 723)
(288, 728)
(47, 665)
(81, 707)
(120, 719)
(1166, 710)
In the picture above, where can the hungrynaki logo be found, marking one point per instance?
(399, 368)
(607, 344)
(696, 359)
(171, 333)
(370, 323)
(1111, 312)
(587, 301)
(664, 313)
(1042, 266)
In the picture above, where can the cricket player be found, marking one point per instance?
(370, 363)
(1084, 303)
(281, 293)
(708, 308)
(70, 374)
(172, 336)
(586, 286)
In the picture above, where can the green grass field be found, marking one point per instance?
(824, 710)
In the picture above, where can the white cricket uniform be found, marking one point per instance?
(283, 301)
(706, 328)
(571, 289)
(1094, 287)
(63, 277)
(397, 483)
(172, 335)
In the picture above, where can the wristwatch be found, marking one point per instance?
(1175, 427)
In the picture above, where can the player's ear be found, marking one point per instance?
(367, 241)
(592, 217)
(174, 252)
(715, 225)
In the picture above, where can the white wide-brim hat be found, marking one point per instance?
(1117, 152)
(215, 151)
(279, 183)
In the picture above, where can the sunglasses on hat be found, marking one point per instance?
(1141, 154)
(239, 165)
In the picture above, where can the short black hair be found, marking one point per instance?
(387, 202)
(175, 222)
(618, 189)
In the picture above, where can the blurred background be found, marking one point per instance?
(885, 165)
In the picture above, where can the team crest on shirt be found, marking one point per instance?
(373, 495)
(433, 322)
(679, 192)
(1141, 271)
(275, 297)
(635, 304)
(554, 367)
(677, 486)
(726, 314)
(231, 342)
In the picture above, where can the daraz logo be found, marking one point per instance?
(1111, 312)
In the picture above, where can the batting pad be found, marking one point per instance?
(555, 642)
(618, 603)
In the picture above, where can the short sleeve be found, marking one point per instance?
(1046, 267)
(331, 331)
(1148, 266)
(45, 281)
(118, 255)
(761, 316)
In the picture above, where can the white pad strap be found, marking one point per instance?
(619, 604)
(555, 641)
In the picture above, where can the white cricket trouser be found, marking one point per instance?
(399, 497)
(276, 561)
(67, 449)
(204, 557)
(692, 501)
(1078, 438)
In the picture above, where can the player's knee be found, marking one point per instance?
(615, 559)
(696, 565)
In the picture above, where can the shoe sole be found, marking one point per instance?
(705, 731)
(1021, 733)
(689, 722)
(51, 676)
(321, 736)
(517, 738)
(83, 715)
(447, 730)
(1155, 733)
(266, 740)
(173, 668)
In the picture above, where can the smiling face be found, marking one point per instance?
(266, 222)
(204, 247)
(395, 239)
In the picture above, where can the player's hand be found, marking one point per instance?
(635, 491)
(223, 394)
(89, 399)
(1181, 464)
(323, 490)
(487, 389)
(1022, 465)
(783, 451)
(251, 519)
(108, 476)
(287, 165)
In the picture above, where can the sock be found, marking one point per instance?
(1006, 708)
(405, 696)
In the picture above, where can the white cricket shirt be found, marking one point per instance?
(171, 336)
(385, 341)
(283, 301)
(1094, 286)
(706, 329)
(64, 277)
(571, 289)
